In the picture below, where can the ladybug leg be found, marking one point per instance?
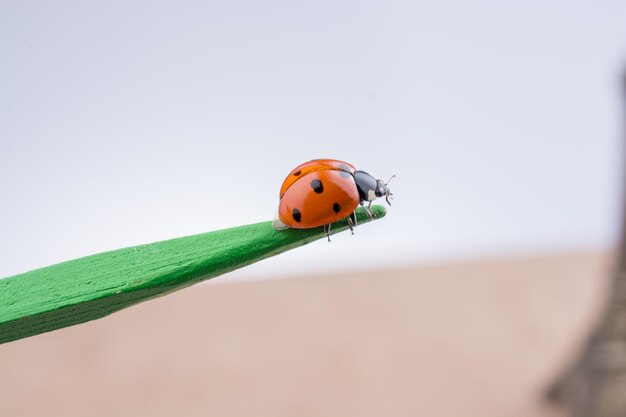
(327, 230)
(369, 211)
(352, 222)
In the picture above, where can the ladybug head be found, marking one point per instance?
(382, 190)
(370, 188)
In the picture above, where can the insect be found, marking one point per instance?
(323, 191)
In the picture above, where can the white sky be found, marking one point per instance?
(124, 123)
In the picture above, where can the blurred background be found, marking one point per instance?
(124, 123)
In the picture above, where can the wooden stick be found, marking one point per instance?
(92, 287)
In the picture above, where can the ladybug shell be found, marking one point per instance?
(312, 166)
(321, 194)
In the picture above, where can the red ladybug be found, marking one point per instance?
(323, 191)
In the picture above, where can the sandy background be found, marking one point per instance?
(463, 339)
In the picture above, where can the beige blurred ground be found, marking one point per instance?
(471, 339)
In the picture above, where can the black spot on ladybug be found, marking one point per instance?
(336, 207)
(297, 216)
(317, 186)
(297, 173)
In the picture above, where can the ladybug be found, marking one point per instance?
(323, 191)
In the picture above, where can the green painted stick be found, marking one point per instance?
(92, 287)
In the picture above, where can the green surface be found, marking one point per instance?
(88, 288)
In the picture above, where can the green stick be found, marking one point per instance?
(92, 287)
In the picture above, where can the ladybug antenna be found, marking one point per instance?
(388, 193)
